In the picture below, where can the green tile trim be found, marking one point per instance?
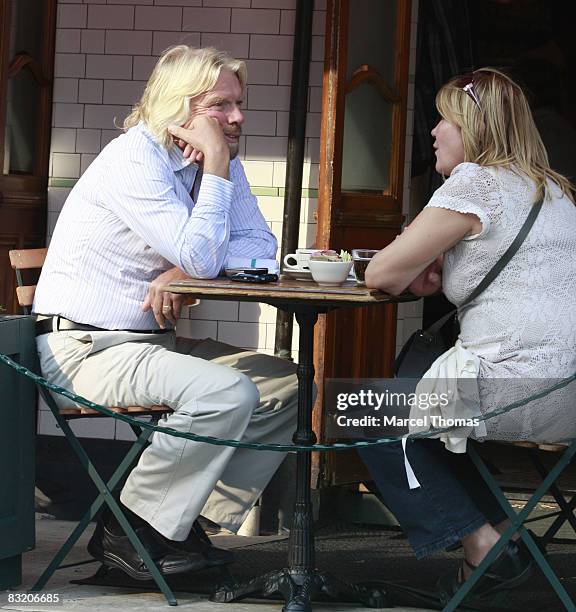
(62, 182)
(264, 191)
(257, 191)
(306, 193)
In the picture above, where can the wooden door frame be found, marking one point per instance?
(335, 214)
(24, 198)
(43, 69)
(330, 211)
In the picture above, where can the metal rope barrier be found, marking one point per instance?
(283, 448)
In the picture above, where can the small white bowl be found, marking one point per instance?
(330, 273)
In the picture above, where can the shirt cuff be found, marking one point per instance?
(216, 191)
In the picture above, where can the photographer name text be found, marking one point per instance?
(433, 420)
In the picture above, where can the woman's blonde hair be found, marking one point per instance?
(497, 126)
(182, 73)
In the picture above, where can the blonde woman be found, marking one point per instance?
(522, 327)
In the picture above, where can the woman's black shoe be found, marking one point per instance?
(117, 551)
(511, 568)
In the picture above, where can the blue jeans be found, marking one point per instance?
(452, 501)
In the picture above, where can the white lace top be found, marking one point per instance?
(523, 327)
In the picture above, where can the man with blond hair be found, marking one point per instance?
(166, 200)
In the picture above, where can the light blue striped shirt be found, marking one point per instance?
(130, 217)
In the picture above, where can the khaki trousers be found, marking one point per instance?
(213, 388)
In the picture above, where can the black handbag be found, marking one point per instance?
(425, 346)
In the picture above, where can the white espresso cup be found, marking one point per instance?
(299, 260)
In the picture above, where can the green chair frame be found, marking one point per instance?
(517, 520)
(565, 512)
(32, 259)
(105, 497)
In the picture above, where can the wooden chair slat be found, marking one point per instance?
(27, 259)
(146, 409)
(70, 411)
(25, 295)
(525, 444)
(132, 410)
(85, 410)
(553, 448)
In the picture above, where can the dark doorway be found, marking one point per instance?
(531, 39)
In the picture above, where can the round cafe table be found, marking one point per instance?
(299, 581)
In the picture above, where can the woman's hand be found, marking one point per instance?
(165, 305)
(405, 260)
(429, 281)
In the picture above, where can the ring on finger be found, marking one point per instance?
(166, 308)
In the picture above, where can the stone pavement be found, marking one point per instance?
(50, 534)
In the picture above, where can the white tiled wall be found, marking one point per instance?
(106, 50)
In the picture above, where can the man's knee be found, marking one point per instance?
(246, 394)
(227, 405)
(238, 396)
(242, 401)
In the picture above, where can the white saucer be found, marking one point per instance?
(297, 274)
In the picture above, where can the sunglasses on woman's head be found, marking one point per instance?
(467, 87)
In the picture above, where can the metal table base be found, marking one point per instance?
(300, 581)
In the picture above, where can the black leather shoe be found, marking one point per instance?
(511, 568)
(198, 542)
(117, 551)
(538, 540)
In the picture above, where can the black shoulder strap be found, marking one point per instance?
(438, 325)
(507, 256)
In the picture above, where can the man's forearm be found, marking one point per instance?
(206, 236)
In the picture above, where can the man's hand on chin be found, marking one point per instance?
(202, 140)
(165, 305)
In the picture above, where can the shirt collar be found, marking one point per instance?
(180, 165)
(177, 159)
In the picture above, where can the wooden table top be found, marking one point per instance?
(285, 290)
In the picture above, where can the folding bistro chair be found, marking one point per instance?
(517, 520)
(23, 261)
(565, 512)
